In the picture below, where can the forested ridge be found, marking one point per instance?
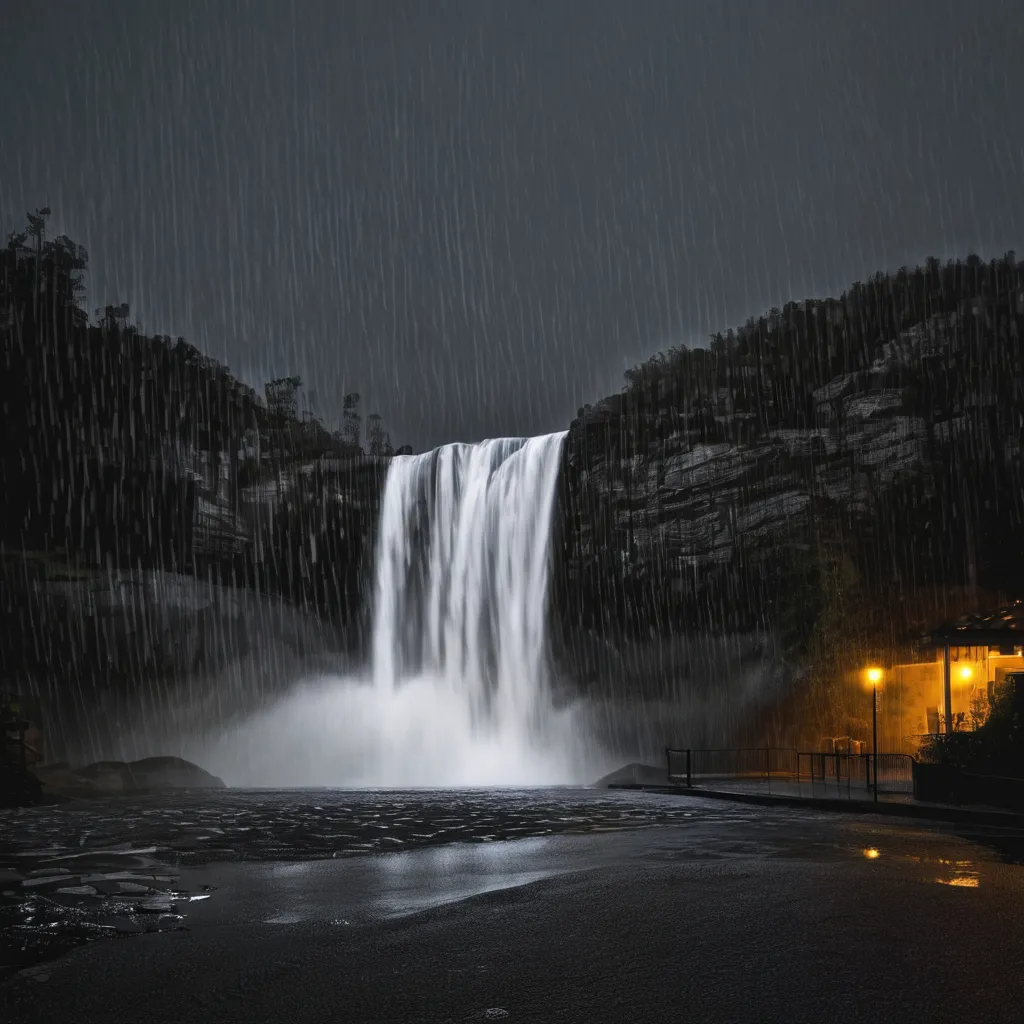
(838, 472)
(841, 472)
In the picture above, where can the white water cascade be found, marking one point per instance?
(462, 575)
(459, 688)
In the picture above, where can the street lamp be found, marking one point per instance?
(874, 678)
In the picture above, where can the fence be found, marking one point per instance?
(806, 773)
(852, 772)
(895, 773)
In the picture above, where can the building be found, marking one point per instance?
(972, 657)
(975, 654)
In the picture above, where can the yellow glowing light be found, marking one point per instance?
(966, 672)
(874, 675)
(871, 853)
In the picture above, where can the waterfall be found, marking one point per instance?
(462, 574)
(457, 692)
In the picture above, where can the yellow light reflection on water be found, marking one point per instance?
(964, 875)
(871, 853)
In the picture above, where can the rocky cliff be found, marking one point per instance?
(97, 655)
(798, 485)
(822, 482)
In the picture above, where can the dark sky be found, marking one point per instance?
(478, 213)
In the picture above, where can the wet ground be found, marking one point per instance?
(610, 906)
(74, 872)
(209, 825)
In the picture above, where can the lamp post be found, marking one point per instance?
(874, 678)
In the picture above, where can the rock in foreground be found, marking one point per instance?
(105, 778)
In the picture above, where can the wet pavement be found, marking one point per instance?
(624, 906)
(805, 789)
(391, 886)
(202, 826)
(52, 901)
(74, 872)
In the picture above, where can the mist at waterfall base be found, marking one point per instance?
(458, 689)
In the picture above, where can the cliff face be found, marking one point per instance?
(99, 653)
(819, 483)
(752, 490)
(304, 531)
(130, 452)
(682, 505)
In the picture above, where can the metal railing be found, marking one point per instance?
(895, 773)
(807, 773)
(836, 772)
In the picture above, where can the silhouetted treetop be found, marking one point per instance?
(767, 371)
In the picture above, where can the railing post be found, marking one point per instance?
(689, 783)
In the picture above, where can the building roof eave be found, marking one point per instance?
(976, 638)
(1003, 627)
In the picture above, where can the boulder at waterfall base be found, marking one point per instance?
(108, 778)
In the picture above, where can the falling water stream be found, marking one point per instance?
(462, 575)
(458, 691)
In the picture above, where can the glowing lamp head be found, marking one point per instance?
(874, 676)
(965, 674)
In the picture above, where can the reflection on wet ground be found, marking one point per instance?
(74, 872)
(52, 901)
(87, 869)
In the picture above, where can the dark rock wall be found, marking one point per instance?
(739, 522)
(699, 504)
(99, 652)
